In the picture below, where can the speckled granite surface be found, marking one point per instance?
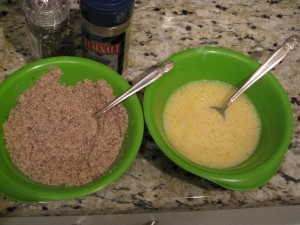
(161, 28)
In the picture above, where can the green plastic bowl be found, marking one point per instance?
(19, 187)
(267, 95)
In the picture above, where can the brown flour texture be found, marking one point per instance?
(52, 136)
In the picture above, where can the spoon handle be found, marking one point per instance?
(288, 45)
(153, 76)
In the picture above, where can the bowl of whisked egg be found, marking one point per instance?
(240, 150)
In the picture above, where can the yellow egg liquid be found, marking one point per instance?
(200, 133)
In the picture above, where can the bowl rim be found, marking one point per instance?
(245, 180)
(59, 192)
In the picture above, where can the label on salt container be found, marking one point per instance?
(106, 50)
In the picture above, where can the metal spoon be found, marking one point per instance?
(288, 45)
(153, 76)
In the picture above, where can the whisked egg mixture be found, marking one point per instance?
(200, 133)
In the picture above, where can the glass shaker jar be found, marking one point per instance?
(48, 27)
(106, 31)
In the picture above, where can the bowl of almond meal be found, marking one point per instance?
(52, 146)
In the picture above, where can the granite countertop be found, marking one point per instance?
(159, 29)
